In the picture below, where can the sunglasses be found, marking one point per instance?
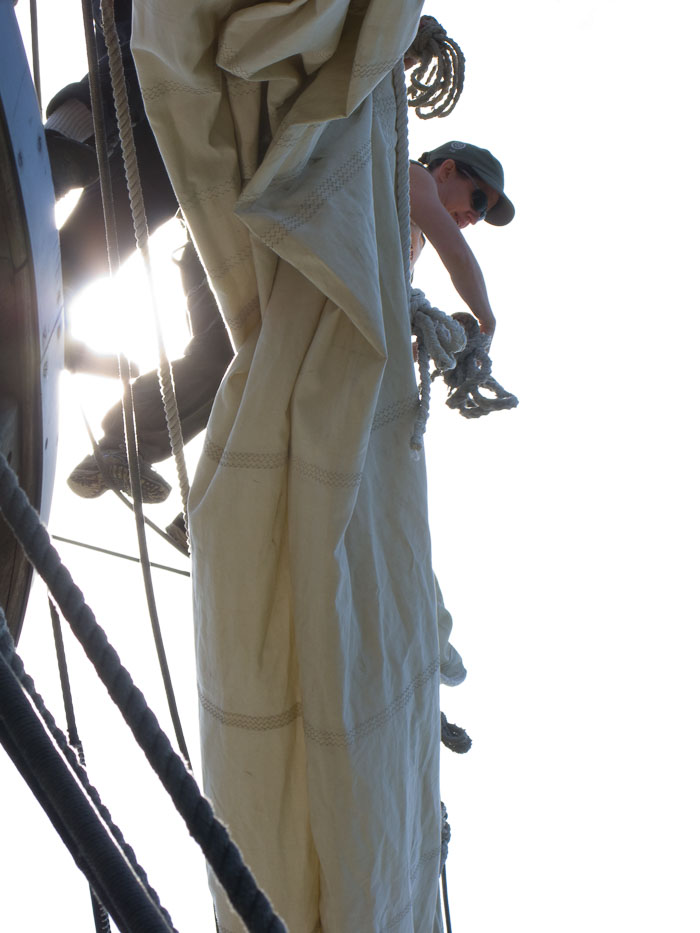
(480, 201)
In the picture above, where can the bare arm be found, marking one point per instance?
(440, 228)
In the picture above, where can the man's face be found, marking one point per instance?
(456, 190)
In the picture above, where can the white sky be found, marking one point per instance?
(565, 533)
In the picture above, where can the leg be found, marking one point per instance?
(83, 237)
(197, 376)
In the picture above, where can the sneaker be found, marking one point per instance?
(178, 534)
(73, 164)
(88, 481)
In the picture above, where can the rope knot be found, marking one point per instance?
(471, 376)
(440, 338)
(438, 76)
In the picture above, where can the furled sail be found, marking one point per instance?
(315, 608)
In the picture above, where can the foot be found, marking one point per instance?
(73, 164)
(89, 480)
(176, 530)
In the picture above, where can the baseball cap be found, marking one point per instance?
(488, 169)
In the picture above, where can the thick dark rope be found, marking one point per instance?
(99, 914)
(222, 854)
(453, 736)
(16, 710)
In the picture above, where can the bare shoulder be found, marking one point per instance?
(424, 193)
(420, 178)
(428, 212)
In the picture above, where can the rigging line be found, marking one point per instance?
(98, 120)
(42, 755)
(221, 852)
(138, 213)
(135, 480)
(71, 724)
(104, 550)
(100, 915)
(36, 64)
(448, 924)
(125, 375)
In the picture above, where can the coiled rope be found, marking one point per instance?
(222, 854)
(471, 376)
(440, 338)
(436, 82)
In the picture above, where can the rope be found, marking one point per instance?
(221, 853)
(138, 210)
(125, 374)
(437, 81)
(454, 737)
(99, 914)
(100, 139)
(402, 188)
(104, 550)
(471, 376)
(440, 338)
(36, 63)
(445, 835)
(71, 724)
(132, 455)
(445, 900)
(56, 787)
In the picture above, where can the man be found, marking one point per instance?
(456, 185)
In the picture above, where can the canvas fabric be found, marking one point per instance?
(318, 657)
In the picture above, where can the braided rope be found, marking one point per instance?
(402, 192)
(7, 649)
(138, 210)
(472, 375)
(222, 854)
(437, 81)
(402, 184)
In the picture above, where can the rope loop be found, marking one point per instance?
(440, 338)
(471, 376)
(437, 80)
